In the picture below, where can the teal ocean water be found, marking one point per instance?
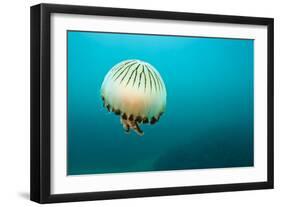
(208, 122)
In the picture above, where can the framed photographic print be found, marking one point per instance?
(132, 103)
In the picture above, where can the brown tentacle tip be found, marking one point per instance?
(108, 107)
(145, 120)
(131, 117)
(117, 112)
(124, 116)
(138, 119)
(153, 120)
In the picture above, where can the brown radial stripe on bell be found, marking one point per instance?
(113, 110)
(124, 116)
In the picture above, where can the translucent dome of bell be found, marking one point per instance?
(134, 90)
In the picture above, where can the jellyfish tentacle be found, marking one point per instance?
(126, 126)
(131, 124)
(137, 128)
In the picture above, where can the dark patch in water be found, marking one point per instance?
(213, 150)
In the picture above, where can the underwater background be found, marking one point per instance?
(208, 122)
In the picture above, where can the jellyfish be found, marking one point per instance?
(135, 91)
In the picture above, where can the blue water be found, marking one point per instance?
(208, 121)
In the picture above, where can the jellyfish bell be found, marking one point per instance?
(135, 91)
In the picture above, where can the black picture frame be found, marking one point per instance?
(41, 95)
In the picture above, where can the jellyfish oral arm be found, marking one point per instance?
(128, 124)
